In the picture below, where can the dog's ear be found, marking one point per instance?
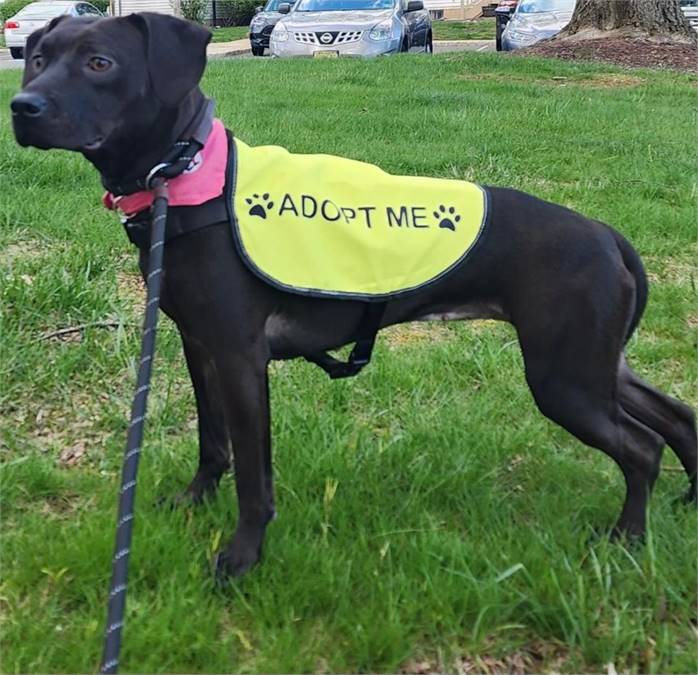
(176, 53)
(31, 43)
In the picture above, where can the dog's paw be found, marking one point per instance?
(235, 560)
(447, 218)
(200, 489)
(195, 494)
(259, 205)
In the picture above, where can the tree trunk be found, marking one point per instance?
(637, 17)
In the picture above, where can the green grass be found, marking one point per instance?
(482, 29)
(429, 516)
(229, 33)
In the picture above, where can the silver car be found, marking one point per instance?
(536, 20)
(36, 15)
(329, 28)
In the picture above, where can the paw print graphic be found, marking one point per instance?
(259, 206)
(447, 218)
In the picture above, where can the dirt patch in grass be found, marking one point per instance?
(415, 333)
(674, 270)
(607, 81)
(54, 429)
(130, 287)
(21, 250)
(535, 657)
(623, 51)
(595, 81)
(63, 505)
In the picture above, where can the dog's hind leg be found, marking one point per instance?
(670, 418)
(214, 440)
(596, 418)
(572, 348)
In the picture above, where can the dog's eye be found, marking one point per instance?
(99, 64)
(37, 62)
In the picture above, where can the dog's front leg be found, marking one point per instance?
(245, 393)
(214, 439)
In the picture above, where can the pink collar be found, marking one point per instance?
(203, 179)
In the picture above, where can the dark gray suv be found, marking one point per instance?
(262, 25)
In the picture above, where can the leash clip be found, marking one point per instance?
(153, 173)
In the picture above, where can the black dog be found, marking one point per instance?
(122, 91)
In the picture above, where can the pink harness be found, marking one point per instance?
(203, 179)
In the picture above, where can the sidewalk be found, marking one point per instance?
(222, 49)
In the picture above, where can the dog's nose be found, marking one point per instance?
(28, 105)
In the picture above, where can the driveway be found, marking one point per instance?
(444, 46)
(7, 62)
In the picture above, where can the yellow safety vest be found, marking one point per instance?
(330, 226)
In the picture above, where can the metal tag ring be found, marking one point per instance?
(153, 173)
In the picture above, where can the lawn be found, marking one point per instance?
(429, 516)
(229, 33)
(482, 29)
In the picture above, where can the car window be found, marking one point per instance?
(42, 10)
(342, 5)
(273, 5)
(91, 10)
(534, 6)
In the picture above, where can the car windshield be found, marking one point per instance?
(536, 6)
(342, 5)
(273, 5)
(42, 10)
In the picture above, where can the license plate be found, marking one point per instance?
(326, 54)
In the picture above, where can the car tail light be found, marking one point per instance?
(11, 24)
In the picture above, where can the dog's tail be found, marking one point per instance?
(634, 265)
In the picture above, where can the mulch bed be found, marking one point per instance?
(626, 52)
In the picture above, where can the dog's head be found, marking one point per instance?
(91, 82)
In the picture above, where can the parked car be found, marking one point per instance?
(352, 28)
(262, 25)
(502, 14)
(690, 10)
(35, 16)
(536, 20)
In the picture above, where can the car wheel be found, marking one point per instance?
(429, 47)
(257, 51)
(16, 52)
(498, 34)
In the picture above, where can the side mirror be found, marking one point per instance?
(414, 6)
(257, 10)
(284, 8)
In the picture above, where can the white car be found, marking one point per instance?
(331, 28)
(38, 14)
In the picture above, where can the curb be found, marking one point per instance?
(232, 52)
(463, 42)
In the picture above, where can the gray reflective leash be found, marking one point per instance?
(127, 493)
